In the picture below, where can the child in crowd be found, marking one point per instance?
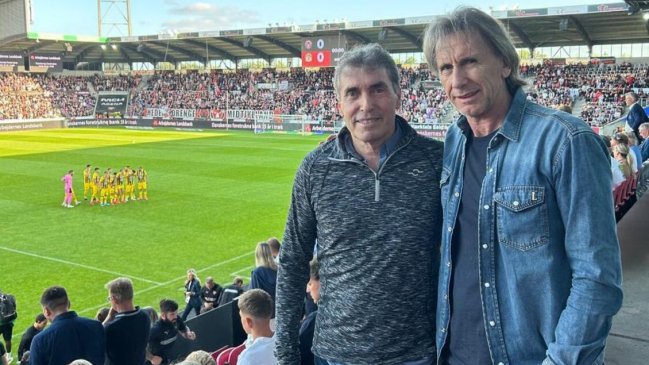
(256, 310)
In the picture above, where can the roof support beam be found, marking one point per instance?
(520, 34)
(147, 56)
(357, 36)
(582, 31)
(252, 49)
(212, 50)
(416, 41)
(192, 55)
(290, 49)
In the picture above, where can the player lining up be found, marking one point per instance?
(108, 188)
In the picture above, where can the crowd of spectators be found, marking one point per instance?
(115, 83)
(298, 91)
(600, 86)
(28, 96)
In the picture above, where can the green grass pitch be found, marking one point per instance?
(212, 197)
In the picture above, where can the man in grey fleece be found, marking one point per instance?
(371, 197)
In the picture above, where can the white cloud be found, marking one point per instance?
(200, 16)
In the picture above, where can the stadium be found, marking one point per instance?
(222, 119)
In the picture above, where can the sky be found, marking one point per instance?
(79, 17)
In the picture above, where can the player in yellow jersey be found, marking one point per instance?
(142, 183)
(130, 184)
(95, 181)
(87, 184)
(112, 190)
(104, 183)
(119, 187)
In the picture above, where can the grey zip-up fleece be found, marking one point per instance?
(378, 240)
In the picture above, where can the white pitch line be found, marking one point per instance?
(174, 279)
(157, 285)
(61, 261)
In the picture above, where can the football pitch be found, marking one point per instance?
(212, 197)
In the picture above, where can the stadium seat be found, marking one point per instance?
(223, 358)
(216, 353)
(618, 195)
(234, 354)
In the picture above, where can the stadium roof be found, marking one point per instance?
(530, 28)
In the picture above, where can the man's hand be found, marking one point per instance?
(190, 335)
(156, 360)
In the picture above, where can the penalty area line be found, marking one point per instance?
(153, 287)
(88, 267)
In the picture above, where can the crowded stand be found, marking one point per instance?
(115, 83)
(597, 88)
(31, 96)
(600, 86)
(298, 91)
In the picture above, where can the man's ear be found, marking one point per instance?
(249, 321)
(47, 313)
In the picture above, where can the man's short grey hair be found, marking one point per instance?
(468, 20)
(370, 57)
(644, 126)
(633, 95)
(120, 289)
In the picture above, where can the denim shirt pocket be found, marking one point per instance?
(522, 217)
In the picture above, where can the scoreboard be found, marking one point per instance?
(322, 51)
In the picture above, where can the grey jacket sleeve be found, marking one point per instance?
(293, 273)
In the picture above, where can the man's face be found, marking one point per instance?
(209, 284)
(41, 325)
(313, 288)
(169, 316)
(473, 77)
(644, 132)
(628, 99)
(368, 104)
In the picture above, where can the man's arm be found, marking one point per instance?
(35, 353)
(583, 188)
(23, 344)
(293, 273)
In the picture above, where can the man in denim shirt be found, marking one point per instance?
(530, 269)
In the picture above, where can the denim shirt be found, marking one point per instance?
(549, 258)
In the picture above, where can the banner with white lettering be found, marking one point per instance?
(112, 104)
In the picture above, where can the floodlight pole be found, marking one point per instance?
(117, 15)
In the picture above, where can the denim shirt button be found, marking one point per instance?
(457, 194)
(485, 246)
(492, 323)
(516, 203)
(450, 229)
(445, 296)
(501, 363)
(486, 285)
(486, 206)
(443, 330)
(448, 263)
